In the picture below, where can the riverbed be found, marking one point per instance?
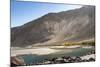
(38, 54)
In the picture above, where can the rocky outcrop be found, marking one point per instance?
(15, 61)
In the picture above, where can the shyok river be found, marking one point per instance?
(39, 54)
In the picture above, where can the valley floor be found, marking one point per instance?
(39, 55)
(42, 50)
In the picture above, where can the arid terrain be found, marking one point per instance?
(63, 37)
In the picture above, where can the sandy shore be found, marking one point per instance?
(76, 46)
(38, 51)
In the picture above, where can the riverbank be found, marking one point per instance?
(54, 55)
(41, 50)
(38, 51)
(58, 60)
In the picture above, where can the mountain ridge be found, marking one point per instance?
(72, 25)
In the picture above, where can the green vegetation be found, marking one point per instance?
(68, 43)
(90, 43)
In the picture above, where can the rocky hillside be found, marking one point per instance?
(72, 25)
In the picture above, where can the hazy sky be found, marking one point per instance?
(23, 12)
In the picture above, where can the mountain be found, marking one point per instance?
(73, 25)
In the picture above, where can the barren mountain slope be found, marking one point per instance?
(72, 25)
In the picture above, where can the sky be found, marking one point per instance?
(25, 11)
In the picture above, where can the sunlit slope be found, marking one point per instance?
(73, 25)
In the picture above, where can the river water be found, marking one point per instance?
(33, 58)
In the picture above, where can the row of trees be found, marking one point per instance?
(92, 43)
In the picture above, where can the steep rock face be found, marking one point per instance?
(72, 25)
